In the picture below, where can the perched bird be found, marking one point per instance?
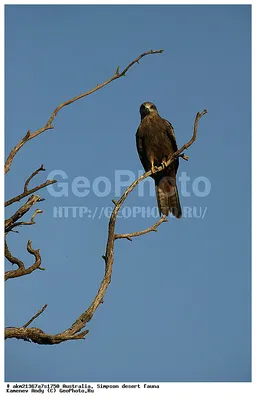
(156, 142)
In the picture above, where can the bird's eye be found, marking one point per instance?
(153, 107)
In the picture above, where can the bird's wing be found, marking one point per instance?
(139, 144)
(171, 134)
(172, 137)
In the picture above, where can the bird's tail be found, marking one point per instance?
(168, 197)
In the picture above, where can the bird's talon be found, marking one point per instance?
(154, 169)
(163, 164)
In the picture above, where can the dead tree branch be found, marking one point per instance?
(12, 259)
(21, 271)
(76, 331)
(34, 317)
(11, 222)
(26, 192)
(48, 124)
(36, 335)
(41, 168)
(133, 234)
(31, 222)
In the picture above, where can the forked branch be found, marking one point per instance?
(21, 271)
(48, 124)
(11, 222)
(26, 191)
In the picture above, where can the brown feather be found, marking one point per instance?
(168, 197)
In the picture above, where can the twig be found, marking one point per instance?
(21, 271)
(48, 124)
(184, 157)
(10, 223)
(12, 259)
(32, 176)
(35, 316)
(26, 192)
(31, 222)
(133, 234)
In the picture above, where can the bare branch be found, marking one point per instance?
(133, 234)
(21, 271)
(137, 61)
(187, 145)
(12, 259)
(10, 223)
(38, 336)
(184, 157)
(31, 222)
(48, 124)
(35, 316)
(32, 176)
(26, 192)
(14, 151)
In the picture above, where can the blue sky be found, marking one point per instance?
(178, 306)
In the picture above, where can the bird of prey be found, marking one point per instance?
(156, 142)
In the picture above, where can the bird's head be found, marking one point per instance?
(147, 108)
